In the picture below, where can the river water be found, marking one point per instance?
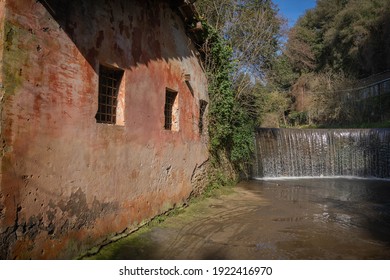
(325, 218)
(273, 219)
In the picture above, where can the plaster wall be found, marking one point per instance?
(68, 182)
(2, 148)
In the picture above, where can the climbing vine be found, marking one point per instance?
(230, 125)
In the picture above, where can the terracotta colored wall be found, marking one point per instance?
(2, 14)
(68, 182)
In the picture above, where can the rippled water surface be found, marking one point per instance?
(326, 218)
(277, 219)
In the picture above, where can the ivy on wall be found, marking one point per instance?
(230, 125)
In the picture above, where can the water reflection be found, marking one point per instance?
(344, 208)
(278, 219)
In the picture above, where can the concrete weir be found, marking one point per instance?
(322, 153)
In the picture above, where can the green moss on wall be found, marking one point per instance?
(15, 56)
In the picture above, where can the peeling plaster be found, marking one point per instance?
(69, 183)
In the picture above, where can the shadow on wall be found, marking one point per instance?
(42, 37)
(121, 33)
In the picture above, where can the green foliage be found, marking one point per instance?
(330, 47)
(230, 126)
(298, 118)
(282, 74)
(241, 43)
(251, 27)
(342, 36)
(219, 67)
(220, 183)
(242, 138)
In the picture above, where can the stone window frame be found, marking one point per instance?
(110, 96)
(171, 110)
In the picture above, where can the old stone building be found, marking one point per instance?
(103, 122)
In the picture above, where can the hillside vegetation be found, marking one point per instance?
(329, 50)
(262, 74)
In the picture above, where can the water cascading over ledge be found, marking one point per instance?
(322, 153)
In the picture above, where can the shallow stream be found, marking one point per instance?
(274, 219)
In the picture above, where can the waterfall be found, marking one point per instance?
(322, 152)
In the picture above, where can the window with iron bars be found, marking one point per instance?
(109, 83)
(170, 110)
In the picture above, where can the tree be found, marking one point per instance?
(239, 50)
(251, 28)
(331, 45)
(341, 35)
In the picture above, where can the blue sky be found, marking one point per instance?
(293, 9)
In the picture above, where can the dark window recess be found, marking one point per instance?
(202, 110)
(187, 78)
(109, 83)
(170, 97)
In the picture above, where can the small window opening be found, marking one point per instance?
(171, 110)
(109, 83)
(187, 79)
(202, 110)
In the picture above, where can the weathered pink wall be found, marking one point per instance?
(69, 183)
(2, 147)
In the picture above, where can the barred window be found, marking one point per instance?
(171, 110)
(109, 83)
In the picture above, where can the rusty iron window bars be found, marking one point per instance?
(170, 97)
(109, 83)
